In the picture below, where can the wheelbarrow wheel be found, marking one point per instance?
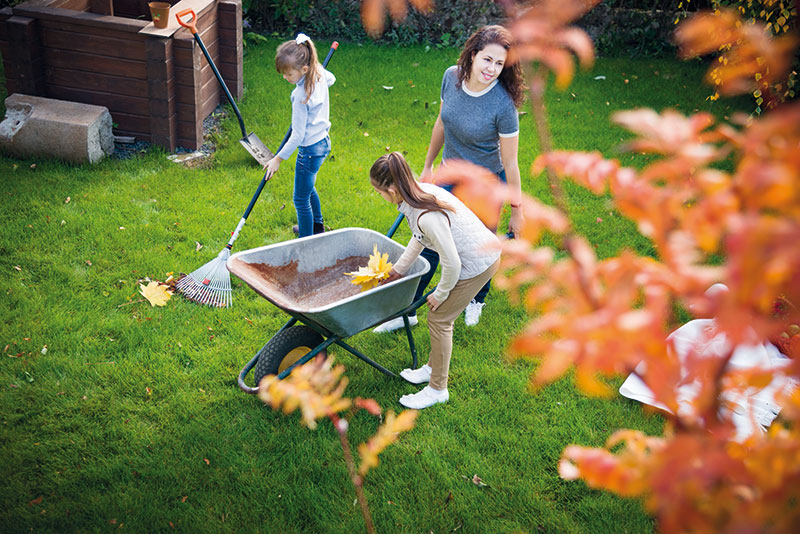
(285, 348)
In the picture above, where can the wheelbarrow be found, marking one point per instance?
(305, 278)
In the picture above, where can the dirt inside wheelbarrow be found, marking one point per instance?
(287, 287)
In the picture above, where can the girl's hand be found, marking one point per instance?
(272, 166)
(433, 303)
(516, 221)
(393, 275)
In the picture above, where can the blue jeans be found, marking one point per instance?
(433, 259)
(306, 200)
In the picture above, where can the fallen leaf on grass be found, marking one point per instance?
(67, 200)
(478, 482)
(197, 246)
(36, 501)
(183, 499)
(155, 293)
(207, 461)
(17, 267)
(148, 390)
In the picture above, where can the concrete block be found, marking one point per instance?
(43, 127)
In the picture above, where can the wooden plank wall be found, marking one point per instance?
(231, 46)
(10, 67)
(104, 67)
(157, 89)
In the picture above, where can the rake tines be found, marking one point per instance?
(210, 284)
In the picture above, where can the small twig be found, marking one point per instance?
(131, 302)
(537, 84)
(358, 482)
(98, 363)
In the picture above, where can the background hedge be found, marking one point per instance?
(618, 27)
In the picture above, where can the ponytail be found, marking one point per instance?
(393, 170)
(297, 54)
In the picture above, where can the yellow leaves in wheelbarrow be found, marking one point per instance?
(376, 270)
(156, 293)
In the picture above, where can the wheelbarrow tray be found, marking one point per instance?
(305, 278)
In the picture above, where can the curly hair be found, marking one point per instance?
(510, 77)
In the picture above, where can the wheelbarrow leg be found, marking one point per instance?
(411, 345)
(357, 354)
(243, 373)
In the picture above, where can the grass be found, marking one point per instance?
(132, 420)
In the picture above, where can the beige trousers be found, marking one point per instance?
(440, 324)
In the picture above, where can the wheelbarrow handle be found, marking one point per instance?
(191, 23)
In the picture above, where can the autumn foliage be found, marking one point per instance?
(602, 317)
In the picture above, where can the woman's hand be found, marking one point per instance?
(272, 166)
(516, 221)
(433, 303)
(427, 175)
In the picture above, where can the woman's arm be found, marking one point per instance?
(509, 147)
(435, 146)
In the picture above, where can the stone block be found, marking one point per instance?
(44, 127)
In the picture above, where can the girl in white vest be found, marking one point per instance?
(469, 253)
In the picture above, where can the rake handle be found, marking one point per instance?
(263, 180)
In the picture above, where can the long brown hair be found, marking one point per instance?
(510, 77)
(291, 55)
(393, 170)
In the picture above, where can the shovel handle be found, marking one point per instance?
(191, 23)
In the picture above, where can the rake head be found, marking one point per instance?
(210, 284)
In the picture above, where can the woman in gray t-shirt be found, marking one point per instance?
(478, 122)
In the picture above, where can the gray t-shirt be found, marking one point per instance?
(475, 122)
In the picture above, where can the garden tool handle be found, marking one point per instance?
(191, 24)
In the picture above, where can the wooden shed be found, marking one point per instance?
(156, 83)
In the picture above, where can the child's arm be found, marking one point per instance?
(408, 256)
(436, 227)
(299, 120)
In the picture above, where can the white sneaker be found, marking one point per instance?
(473, 312)
(417, 376)
(424, 398)
(394, 324)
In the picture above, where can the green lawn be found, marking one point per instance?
(131, 418)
